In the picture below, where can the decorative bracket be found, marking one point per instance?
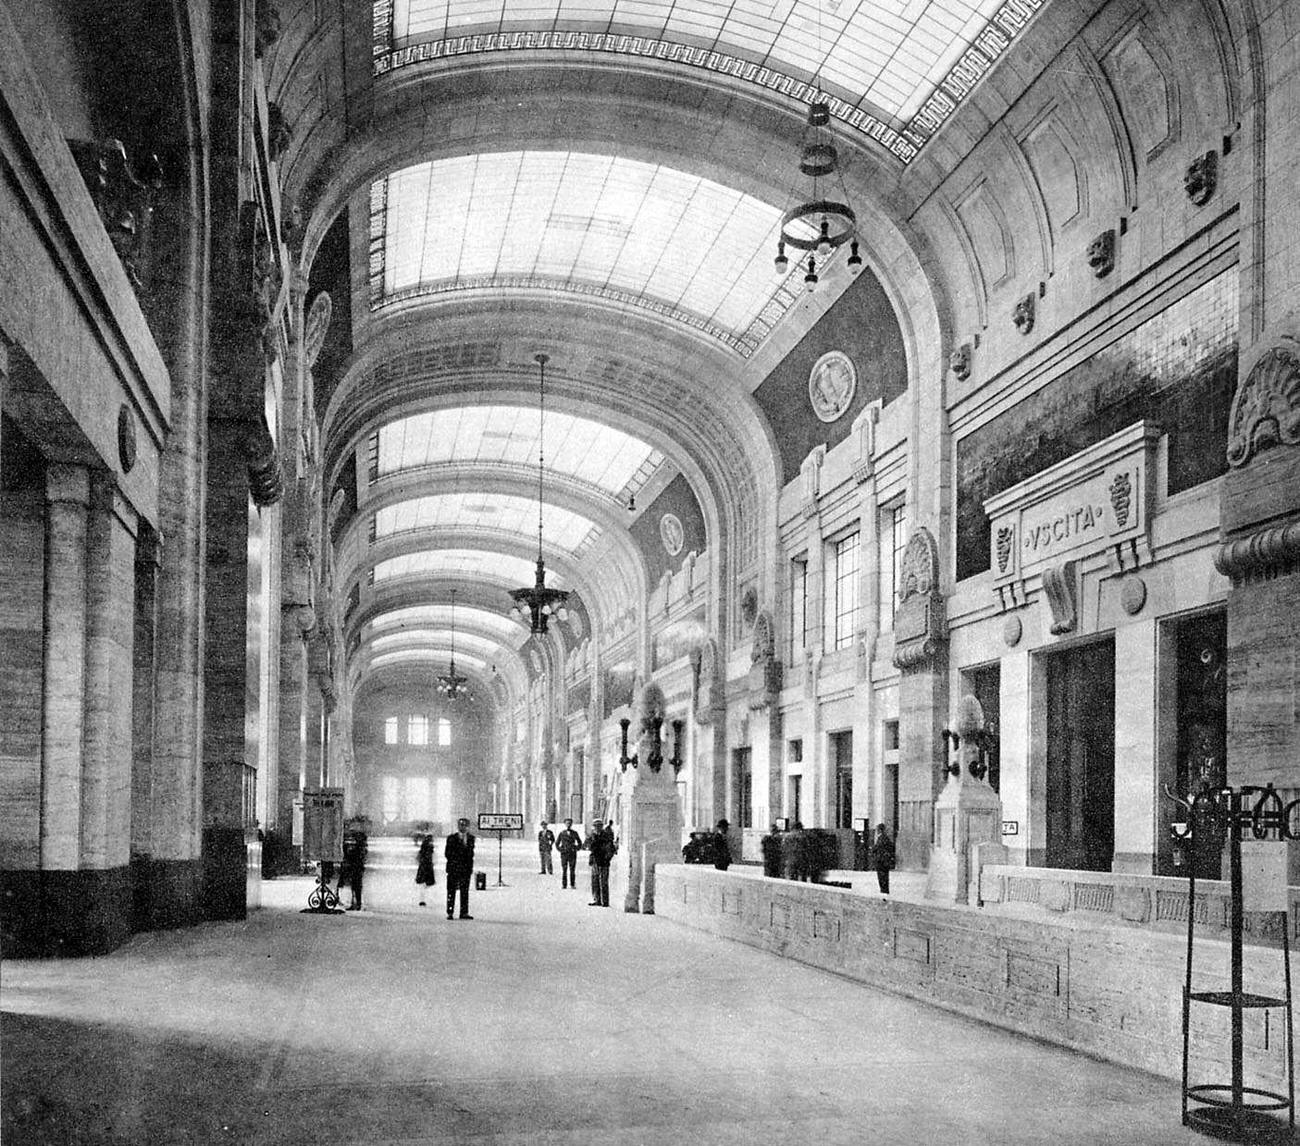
(1061, 588)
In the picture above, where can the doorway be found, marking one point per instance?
(795, 802)
(1081, 757)
(842, 753)
(743, 779)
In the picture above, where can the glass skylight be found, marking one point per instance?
(513, 515)
(438, 617)
(895, 69)
(465, 564)
(576, 447)
(637, 234)
(430, 656)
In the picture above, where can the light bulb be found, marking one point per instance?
(546, 610)
(782, 263)
(563, 613)
(810, 279)
(855, 259)
(824, 240)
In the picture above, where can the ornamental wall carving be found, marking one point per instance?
(764, 669)
(710, 691)
(920, 623)
(1266, 408)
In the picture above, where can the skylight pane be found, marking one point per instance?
(510, 515)
(439, 617)
(790, 36)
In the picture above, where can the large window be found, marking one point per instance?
(444, 732)
(798, 608)
(390, 730)
(843, 573)
(893, 540)
(417, 730)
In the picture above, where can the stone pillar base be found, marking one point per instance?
(167, 893)
(225, 874)
(64, 913)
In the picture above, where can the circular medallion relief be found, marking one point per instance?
(671, 533)
(1012, 631)
(831, 385)
(126, 446)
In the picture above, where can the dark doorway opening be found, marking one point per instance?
(1081, 757)
(842, 750)
(744, 782)
(1202, 709)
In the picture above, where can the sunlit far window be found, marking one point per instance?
(417, 730)
(798, 608)
(444, 732)
(390, 730)
(893, 540)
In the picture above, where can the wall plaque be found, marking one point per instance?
(831, 385)
(1088, 503)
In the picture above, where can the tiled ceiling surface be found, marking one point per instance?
(517, 516)
(890, 53)
(637, 234)
(466, 565)
(576, 447)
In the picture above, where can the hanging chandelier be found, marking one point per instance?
(535, 603)
(451, 684)
(822, 222)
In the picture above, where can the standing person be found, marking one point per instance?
(424, 867)
(722, 846)
(460, 866)
(771, 845)
(354, 865)
(884, 856)
(601, 848)
(545, 842)
(569, 844)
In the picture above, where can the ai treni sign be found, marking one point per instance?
(1100, 497)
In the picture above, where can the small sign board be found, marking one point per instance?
(500, 821)
(322, 824)
(860, 824)
(1263, 875)
(1011, 827)
(783, 822)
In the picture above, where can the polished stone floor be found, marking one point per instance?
(542, 1020)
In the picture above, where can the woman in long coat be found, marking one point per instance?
(424, 867)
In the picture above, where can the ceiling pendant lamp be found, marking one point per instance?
(535, 604)
(451, 684)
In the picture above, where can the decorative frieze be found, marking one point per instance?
(1061, 589)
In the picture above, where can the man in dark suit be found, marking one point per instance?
(460, 866)
(569, 843)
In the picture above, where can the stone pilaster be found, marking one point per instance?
(110, 633)
(67, 514)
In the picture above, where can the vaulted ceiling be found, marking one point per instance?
(601, 181)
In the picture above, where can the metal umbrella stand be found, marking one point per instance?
(1232, 1110)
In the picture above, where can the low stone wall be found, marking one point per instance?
(1109, 991)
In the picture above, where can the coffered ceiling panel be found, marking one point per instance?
(516, 516)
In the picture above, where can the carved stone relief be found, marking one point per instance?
(1101, 254)
(960, 362)
(1061, 589)
(1023, 314)
(1266, 408)
(764, 668)
(710, 695)
(317, 326)
(1202, 178)
(920, 623)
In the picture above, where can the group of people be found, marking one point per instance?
(458, 852)
(600, 846)
(710, 847)
(794, 854)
